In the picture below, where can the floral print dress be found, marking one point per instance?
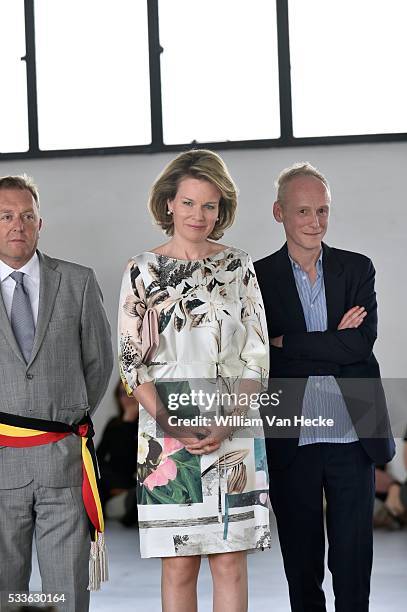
(211, 334)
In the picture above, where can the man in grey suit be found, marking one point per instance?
(55, 365)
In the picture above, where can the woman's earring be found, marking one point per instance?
(170, 212)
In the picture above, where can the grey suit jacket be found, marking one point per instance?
(67, 375)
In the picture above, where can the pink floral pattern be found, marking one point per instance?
(166, 471)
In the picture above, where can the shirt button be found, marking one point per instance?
(29, 376)
(303, 278)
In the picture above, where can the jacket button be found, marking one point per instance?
(30, 376)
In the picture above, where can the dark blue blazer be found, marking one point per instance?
(347, 354)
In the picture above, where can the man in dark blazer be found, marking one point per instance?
(321, 310)
(55, 363)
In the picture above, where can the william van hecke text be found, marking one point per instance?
(247, 421)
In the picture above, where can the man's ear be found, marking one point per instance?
(277, 212)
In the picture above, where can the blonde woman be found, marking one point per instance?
(191, 324)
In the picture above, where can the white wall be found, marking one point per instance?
(94, 211)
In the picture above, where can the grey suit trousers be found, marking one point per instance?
(62, 541)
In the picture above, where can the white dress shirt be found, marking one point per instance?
(31, 283)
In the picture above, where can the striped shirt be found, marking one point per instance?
(322, 395)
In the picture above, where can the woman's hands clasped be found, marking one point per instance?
(187, 435)
(200, 440)
(211, 443)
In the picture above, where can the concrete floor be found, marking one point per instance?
(135, 583)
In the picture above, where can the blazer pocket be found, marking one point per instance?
(74, 408)
(62, 322)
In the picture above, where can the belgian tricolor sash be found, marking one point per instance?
(22, 432)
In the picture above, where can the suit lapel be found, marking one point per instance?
(5, 327)
(287, 290)
(49, 284)
(334, 281)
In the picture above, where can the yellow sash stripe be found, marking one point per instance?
(90, 470)
(19, 432)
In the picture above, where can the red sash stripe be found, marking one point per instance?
(89, 502)
(25, 441)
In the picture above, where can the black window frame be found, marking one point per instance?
(157, 145)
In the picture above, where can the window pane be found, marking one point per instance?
(219, 70)
(13, 99)
(347, 66)
(92, 73)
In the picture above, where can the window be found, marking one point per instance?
(13, 99)
(93, 82)
(158, 75)
(214, 83)
(347, 66)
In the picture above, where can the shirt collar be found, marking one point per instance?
(296, 266)
(31, 268)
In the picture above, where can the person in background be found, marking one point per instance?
(117, 458)
(391, 497)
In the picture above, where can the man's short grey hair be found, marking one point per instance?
(21, 182)
(298, 169)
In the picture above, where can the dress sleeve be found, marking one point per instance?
(132, 308)
(256, 348)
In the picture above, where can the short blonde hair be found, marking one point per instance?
(22, 182)
(200, 164)
(298, 169)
